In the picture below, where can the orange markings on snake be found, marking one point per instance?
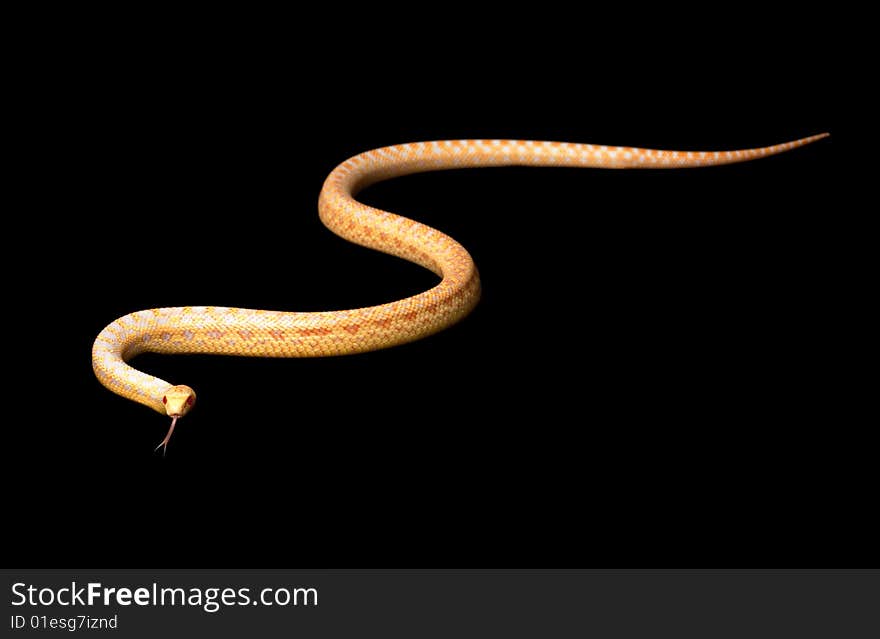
(311, 332)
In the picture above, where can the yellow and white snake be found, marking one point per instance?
(260, 333)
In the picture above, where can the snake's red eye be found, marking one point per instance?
(189, 400)
(164, 400)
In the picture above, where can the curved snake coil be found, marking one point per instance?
(261, 333)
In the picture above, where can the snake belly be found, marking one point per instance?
(266, 333)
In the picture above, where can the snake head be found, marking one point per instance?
(179, 400)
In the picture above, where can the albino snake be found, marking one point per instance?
(258, 333)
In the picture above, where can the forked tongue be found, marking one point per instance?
(164, 443)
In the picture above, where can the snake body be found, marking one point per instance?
(265, 333)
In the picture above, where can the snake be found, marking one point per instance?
(244, 332)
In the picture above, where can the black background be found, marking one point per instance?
(645, 380)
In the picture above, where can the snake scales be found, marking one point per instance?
(263, 333)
